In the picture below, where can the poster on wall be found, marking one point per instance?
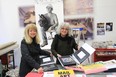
(109, 26)
(100, 29)
(76, 7)
(86, 24)
(26, 15)
(49, 14)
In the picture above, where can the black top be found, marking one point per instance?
(30, 57)
(63, 45)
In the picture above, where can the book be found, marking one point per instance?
(77, 57)
(48, 63)
(50, 67)
(64, 73)
(66, 61)
(45, 60)
(83, 53)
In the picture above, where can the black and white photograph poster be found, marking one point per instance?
(109, 26)
(48, 18)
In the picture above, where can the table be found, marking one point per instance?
(101, 74)
(81, 74)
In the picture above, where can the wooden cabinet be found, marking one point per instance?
(8, 59)
(104, 54)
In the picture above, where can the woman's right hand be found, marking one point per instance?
(40, 70)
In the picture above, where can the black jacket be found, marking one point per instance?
(63, 45)
(30, 57)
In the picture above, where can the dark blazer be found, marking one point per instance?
(30, 57)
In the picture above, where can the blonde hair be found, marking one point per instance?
(27, 38)
(64, 25)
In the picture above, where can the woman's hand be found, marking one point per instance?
(78, 47)
(40, 70)
(51, 54)
(59, 55)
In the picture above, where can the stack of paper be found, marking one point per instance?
(94, 68)
(110, 64)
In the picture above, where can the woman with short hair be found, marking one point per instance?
(63, 44)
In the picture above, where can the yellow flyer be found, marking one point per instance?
(64, 73)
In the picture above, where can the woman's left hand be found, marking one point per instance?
(51, 54)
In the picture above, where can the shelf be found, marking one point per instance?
(107, 49)
(107, 53)
(104, 54)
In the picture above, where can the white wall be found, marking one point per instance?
(10, 19)
(11, 30)
(105, 12)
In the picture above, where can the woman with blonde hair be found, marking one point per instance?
(30, 50)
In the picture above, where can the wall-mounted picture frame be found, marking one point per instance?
(85, 23)
(100, 28)
(26, 15)
(109, 26)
